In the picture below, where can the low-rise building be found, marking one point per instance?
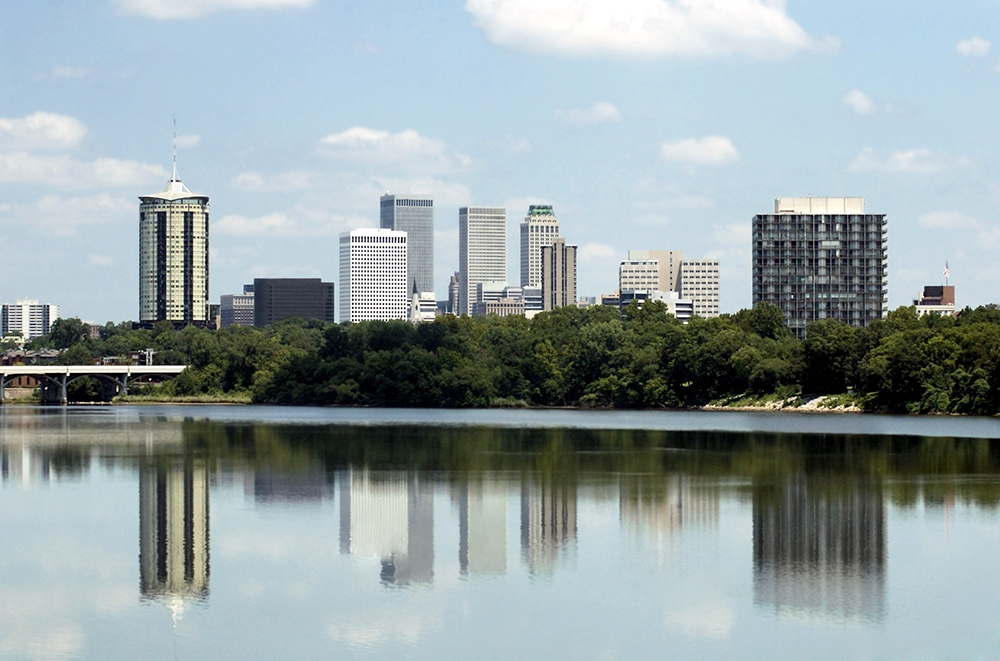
(936, 299)
(237, 309)
(275, 299)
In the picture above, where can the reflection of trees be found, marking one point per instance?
(568, 455)
(820, 545)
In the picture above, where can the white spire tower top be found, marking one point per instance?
(175, 185)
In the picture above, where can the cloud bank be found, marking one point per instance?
(186, 9)
(913, 161)
(713, 150)
(599, 113)
(973, 47)
(645, 28)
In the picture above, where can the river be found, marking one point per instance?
(215, 532)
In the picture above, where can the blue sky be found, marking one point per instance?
(647, 123)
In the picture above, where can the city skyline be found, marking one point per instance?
(631, 137)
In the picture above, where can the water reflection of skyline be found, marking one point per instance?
(820, 547)
(819, 537)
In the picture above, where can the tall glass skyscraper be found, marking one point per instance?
(413, 214)
(482, 251)
(173, 255)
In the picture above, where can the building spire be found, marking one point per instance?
(174, 177)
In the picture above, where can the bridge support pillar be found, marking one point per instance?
(63, 395)
(3, 378)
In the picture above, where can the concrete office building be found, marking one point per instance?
(540, 228)
(413, 214)
(373, 275)
(31, 318)
(173, 255)
(668, 267)
(482, 250)
(173, 529)
(558, 275)
(453, 293)
(275, 299)
(821, 258)
(639, 274)
(699, 284)
(236, 309)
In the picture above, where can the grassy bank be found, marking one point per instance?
(203, 398)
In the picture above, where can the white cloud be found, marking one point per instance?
(63, 171)
(597, 252)
(947, 220)
(915, 161)
(367, 48)
(98, 260)
(188, 141)
(511, 144)
(273, 223)
(859, 102)
(53, 215)
(710, 150)
(179, 9)
(973, 47)
(64, 72)
(41, 130)
(406, 148)
(600, 112)
(255, 182)
(645, 28)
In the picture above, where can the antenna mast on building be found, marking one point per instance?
(174, 177)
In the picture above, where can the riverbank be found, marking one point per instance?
(842, 403)
(214, 398)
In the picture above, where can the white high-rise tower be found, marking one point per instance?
(373, 275)
(482, 251)
(540, 228)
(173, 254)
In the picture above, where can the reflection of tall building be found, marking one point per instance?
(24, 465)
(548, 522)
(288, 487)
(652, 509)
(389, 515)
(482, 528)
(820, 547)
(173, 530)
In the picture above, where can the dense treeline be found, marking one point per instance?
(578, 357)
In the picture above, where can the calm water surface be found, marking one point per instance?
(263, 533)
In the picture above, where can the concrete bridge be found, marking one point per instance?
(114, 379)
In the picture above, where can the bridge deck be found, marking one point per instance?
(87, 370)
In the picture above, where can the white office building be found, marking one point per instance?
(700, 285)
(639, 274)
(29, 317)
(482, 251)
(373, 275)
(540, 228)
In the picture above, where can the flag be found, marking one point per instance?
(947, 274)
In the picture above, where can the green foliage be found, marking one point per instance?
(594, 357)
